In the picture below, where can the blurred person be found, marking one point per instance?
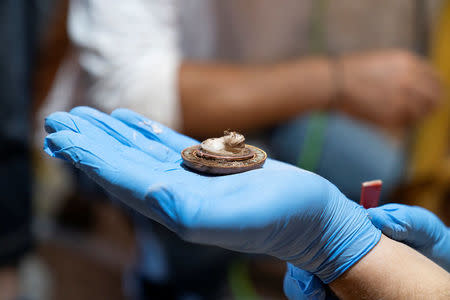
(17, 33)
(278, 210)
(204, 66)
(21, 22)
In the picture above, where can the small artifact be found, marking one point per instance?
(225, 155)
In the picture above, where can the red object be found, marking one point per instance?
(370, 193)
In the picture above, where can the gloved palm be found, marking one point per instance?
(278, 210)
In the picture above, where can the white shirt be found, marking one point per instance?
(129, 52)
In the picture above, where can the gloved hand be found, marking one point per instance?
(303, 285)
(412, 225)
(279, 210)
(416, 227)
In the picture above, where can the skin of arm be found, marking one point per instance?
(251, 97)
(392, 270)
(390, 88)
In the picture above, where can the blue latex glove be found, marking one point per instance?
(279, 210)
(301, 285)
(412, 225)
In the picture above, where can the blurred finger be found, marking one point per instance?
(432, 76)
(429, 83)
(154, 130)
(418, 104)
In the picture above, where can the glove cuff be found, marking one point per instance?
(342, 243)
(354, 251)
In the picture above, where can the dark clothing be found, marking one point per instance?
(17, 34)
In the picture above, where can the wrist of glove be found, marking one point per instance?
(339, 236)
(414, 226)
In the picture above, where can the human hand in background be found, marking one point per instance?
(393, 88)
(412, 225)
(279, 210)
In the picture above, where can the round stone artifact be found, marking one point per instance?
(225, 155)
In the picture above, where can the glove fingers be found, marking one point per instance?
(410, 224)
(86, 152)
(388, 223)
(126, 167)
(60, 121)
(126, 173)
(108, 131)
(78, 149)
(154, 130)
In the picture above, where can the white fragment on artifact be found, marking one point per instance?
(233, 139)
(223, 145)
(214, 145)
(134, 135)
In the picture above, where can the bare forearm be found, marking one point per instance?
(215, 97)
(393, 270)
